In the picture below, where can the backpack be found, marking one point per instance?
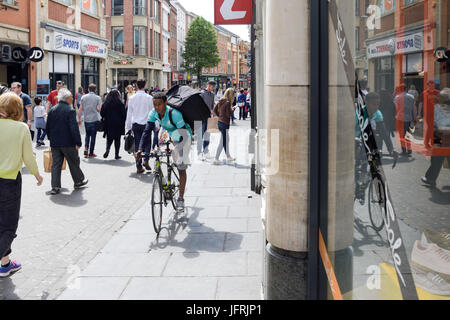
(190, 103)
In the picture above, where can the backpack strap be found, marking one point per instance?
(171, 119)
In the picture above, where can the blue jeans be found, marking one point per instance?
(224, 140)
(203, 140)
(39, 136)
(138, 131)
(91, 135)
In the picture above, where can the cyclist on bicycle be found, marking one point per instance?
(180, 132)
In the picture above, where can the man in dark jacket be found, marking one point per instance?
(65, 141)
(203, 139)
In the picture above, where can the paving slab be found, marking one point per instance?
(95, 288)
(239, 288)
(243, 242)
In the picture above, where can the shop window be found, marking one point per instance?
(90, 72)
(89, 6)
(117, 33)
(117, 7)
(157, 12)
(157, 51)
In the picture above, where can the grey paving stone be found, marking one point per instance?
(206, 264)
(189, 242)
(254, 224)
(209, 212)
(255, 263)
(95, 288)
(138, 227)
(170, 288)
(245, 211)
(239, 288)
(129, 243)
(208, 225)
(224, 201)
(127, 264)
(206, 192)
(243, 242)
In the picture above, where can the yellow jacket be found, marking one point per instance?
(15, 149)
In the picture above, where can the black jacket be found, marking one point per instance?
(115, 116)
(62, 127)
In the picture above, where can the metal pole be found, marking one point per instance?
(253, 99)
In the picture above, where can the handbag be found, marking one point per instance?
(446, 164)
(48, 161)
(129, 142)
(213, 125)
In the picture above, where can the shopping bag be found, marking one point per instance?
(213, 125)
(446, 163)
(129, 142)
(48, 161)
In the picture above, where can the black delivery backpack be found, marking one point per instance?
(190, 103)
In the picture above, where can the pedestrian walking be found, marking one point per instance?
(91, 104)
(441, 136)
(405, 114)
(39, 121)
(139, 107)
(204, 139)
(16, 87)
(114, 114)
(387, 108)
(242, 103)
(16, 146)
(65, 141)
(129, 92)
(223, 110)
(52, 99)
(249, 101)
(78, 96)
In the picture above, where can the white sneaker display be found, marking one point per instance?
(441, 239)
(431, 282)
(431, 258)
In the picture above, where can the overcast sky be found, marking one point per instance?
(205, 8)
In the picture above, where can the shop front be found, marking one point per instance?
(11, 70)
(75, 58)
(382, 229)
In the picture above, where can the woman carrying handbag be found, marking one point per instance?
(223, 111)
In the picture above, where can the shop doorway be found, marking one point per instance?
(13, 72)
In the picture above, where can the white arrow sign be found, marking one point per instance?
(227, 11)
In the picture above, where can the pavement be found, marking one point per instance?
(99, 243)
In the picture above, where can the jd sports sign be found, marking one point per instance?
(35, 54)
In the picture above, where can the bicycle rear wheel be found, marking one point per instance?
(377, 203)
(175, 188)
(157, 203)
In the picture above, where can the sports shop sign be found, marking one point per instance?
(79, 46)
(400, 45)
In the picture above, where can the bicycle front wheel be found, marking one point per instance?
(377, 204)
(157, 204)
(175, 188)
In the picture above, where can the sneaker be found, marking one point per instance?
(180, 205)
(106, 154)
(203, 157)
(431, 282)
(80, 184)
(147, 166)
(86, 152)
(217, 162)
(441, 239)
(92, 155)
(141, 170)
(430, 258)
(231, 159)
(427, 182)
(55, 191)
(13, 266)
(42, 143)
(118, 157)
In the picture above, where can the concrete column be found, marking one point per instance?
(287, 104)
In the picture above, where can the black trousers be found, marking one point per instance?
(73, 160)
(10, 197)
(109, 142)
(435, 168)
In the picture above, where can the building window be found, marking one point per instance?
(157, 12)
(90, 72)
(140, 7)
(157, 52)
(89, 6)
(10, 2)
(140, 41)
(357, 8)
(357, 46)
(117, 7)
(117, 44)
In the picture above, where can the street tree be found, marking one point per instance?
(201, 48)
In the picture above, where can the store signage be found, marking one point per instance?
(19, 54)
(181, 77)
(400, 45)
(233, 12)
(36, 54)
(43, 87)
(76, 45)
(442, 54)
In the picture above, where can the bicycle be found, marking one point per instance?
(164, 189)
(376, 194)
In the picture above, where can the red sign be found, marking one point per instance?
(233, 12)
(181, 77)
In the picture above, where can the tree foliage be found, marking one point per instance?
(201, 47)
